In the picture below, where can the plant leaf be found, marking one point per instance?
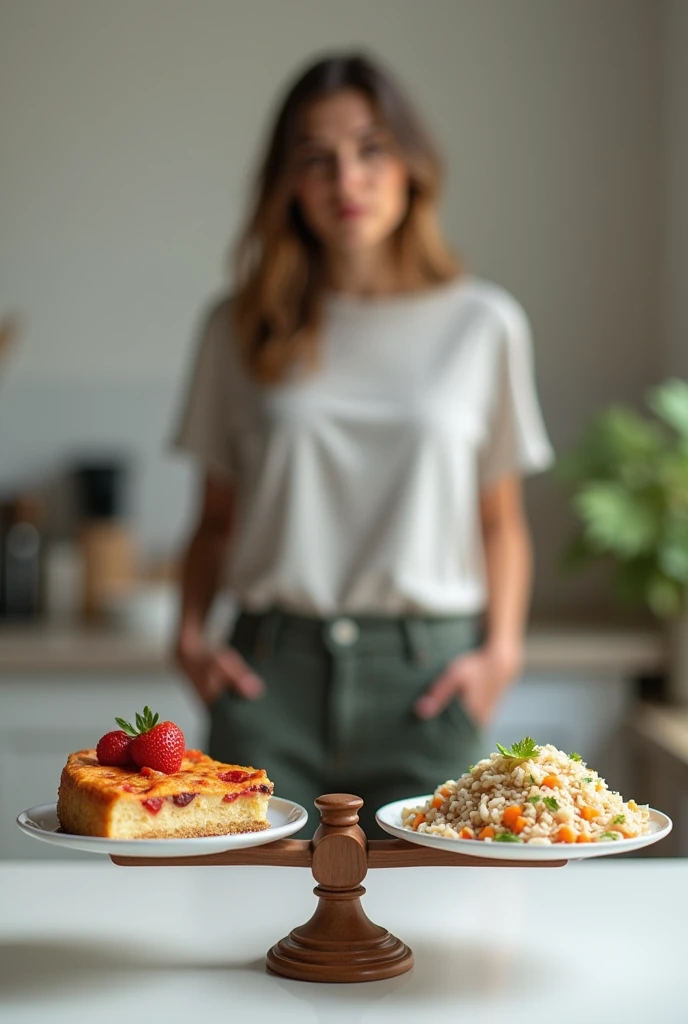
(618, 443)
(669, 402)
(616, 521)
(673, 561)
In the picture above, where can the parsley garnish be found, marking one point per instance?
(609, 835)
(506, 837)
(619, 819)
(471, 767)
(532, 780)
(524, 750)
(586, 780)
(533, 799)
(550, 802)
(575, 757)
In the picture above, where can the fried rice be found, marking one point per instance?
(530, 794)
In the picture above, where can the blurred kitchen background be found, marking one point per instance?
(128, 135)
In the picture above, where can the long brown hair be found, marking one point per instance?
(277, 304)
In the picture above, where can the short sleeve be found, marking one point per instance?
(517, 440)
(204, 426)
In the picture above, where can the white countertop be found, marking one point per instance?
(44, 648)
(599, 942)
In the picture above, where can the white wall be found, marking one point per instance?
(675, 186)
(129, 130)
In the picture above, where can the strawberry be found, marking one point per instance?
(113, 749)
(159, 746)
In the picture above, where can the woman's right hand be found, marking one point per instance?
(213, 671)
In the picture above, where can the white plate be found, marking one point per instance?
(285, 818)
(389, 818)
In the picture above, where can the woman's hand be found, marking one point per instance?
(478, 678)
(213, 671)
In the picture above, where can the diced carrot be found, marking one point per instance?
(511, 813)
(418, 820)
(487, 833)
(519, 824)
(551, 781)
(445, 791)
(589, 813)
(584, 837)
(466, 833)
(437, 802)
(566, 834)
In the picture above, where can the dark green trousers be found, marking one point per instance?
(337, 715)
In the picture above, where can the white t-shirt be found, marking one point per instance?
(358, 487)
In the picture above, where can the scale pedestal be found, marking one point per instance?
(339, 943)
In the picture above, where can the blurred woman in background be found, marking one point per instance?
(363, 411)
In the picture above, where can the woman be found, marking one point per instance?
(364, 413)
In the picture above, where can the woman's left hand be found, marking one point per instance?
(478, 678)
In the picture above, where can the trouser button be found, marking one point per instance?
(344, 632)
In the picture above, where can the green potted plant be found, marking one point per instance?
(628, 476)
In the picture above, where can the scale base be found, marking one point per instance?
(339, 944)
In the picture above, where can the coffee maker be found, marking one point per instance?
(106, 540)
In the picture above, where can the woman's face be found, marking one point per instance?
(351, 182)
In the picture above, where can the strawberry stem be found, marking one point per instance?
(144, 723)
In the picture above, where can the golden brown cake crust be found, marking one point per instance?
(205, 797)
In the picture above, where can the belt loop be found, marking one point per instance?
(267, 633)
(416, 639)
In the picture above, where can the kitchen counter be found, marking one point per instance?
(597, 941)
(549, 647)
(48, 648)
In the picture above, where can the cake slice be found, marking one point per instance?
(204, 798)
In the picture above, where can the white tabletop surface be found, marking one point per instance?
(599, 943)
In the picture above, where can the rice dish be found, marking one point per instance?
(529, 794)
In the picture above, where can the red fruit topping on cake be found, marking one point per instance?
(154, 803)
(229, 798)
(182, 799)
(159, 746)
(113, 749)
(237, 776)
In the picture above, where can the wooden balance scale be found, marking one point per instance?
(339, 943)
